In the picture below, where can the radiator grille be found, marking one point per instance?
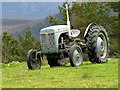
(47, 42)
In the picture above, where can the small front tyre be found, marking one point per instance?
(33, 59)
(75, 55)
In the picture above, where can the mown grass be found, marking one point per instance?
(105, 75)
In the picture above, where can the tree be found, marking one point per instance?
(52, 21)
(93, 12)
(115, 32)
(26, 43)
(16, 49)
(62, 10)
(9, 48)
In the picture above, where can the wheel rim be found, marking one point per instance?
(102, 46)
(77, 58)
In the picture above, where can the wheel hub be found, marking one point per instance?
(100, 45)
(77, 57)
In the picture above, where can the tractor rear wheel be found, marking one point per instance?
(97, 42)
(33, 59)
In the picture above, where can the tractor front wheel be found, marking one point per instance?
(75, 55)
(33, 59)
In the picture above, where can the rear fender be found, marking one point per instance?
(88, 28)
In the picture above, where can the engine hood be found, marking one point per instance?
(53, 29)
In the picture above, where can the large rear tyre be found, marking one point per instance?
(33, 59)
(97, 42)
(75, 55)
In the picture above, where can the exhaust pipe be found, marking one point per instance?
(68, 21)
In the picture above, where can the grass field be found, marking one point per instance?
(105, 75)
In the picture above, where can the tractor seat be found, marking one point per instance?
(75, 32)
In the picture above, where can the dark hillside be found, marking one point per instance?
(17, 26)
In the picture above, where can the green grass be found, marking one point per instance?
(105, 75)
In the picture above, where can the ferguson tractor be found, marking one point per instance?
(60, 42)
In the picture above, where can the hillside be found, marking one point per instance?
(17, 26)
(12, 25)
